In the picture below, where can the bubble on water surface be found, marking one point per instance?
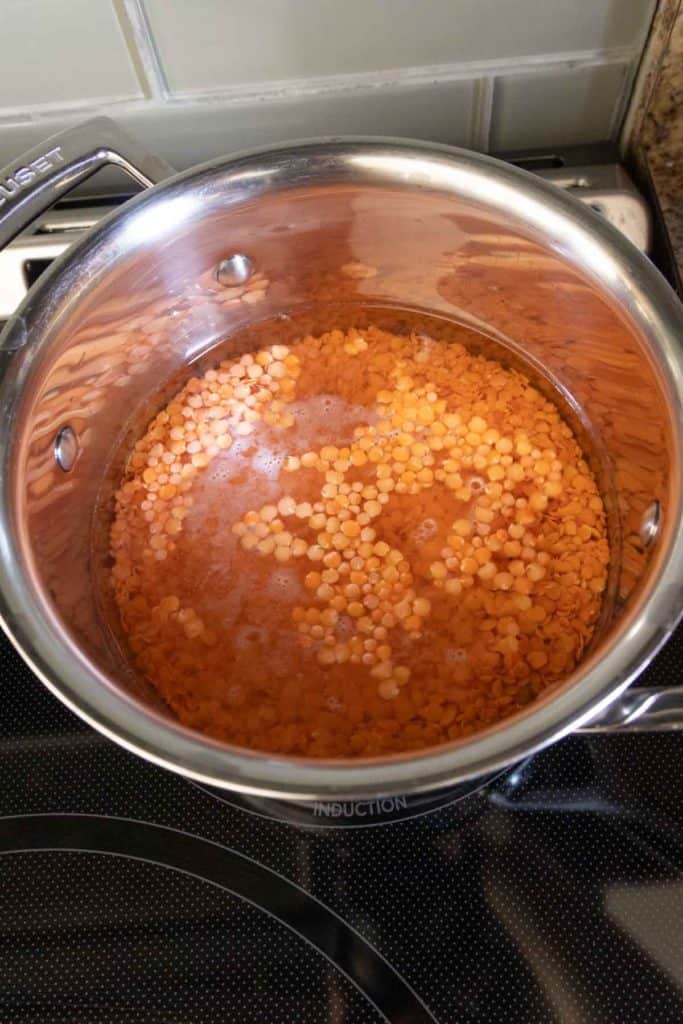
(425, 530)
(285, 585)
(268, 462)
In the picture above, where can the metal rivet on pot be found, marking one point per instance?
(649, 527)
(66, 448)
(234, 270)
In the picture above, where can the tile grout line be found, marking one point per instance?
(416, 75)
(143, 50)
(160, 95)
(622, 102)
(483, 114)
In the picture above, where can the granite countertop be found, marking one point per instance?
(657, 129)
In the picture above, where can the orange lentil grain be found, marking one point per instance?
(407, 583)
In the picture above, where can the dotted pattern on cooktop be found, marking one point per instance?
(118, 940)
(667, 668)
(527, 902)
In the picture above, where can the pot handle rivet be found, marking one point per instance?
(66, 448)
(651, 521)
(234, 270)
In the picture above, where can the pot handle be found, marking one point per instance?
(641, 709)
(36, 180)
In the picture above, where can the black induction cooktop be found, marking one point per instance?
(552, 892)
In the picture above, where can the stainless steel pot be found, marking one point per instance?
(331, 224)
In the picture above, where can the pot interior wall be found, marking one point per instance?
(324, 255)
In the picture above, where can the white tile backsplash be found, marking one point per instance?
(61, 53)
(554, 108)
(214, 44)
(200, 79)
(439, 112)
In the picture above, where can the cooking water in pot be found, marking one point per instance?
(357, 542)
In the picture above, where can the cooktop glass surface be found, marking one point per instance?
(552, 892)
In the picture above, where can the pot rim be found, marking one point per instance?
(598, 250)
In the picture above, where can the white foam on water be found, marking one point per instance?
(425, 530)
(230, 462)
(268, 462)
(326, 419)
(239, 447)
(215, 493)
(219, 471)
(427, 346)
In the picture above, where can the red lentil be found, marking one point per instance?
(342, 548)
